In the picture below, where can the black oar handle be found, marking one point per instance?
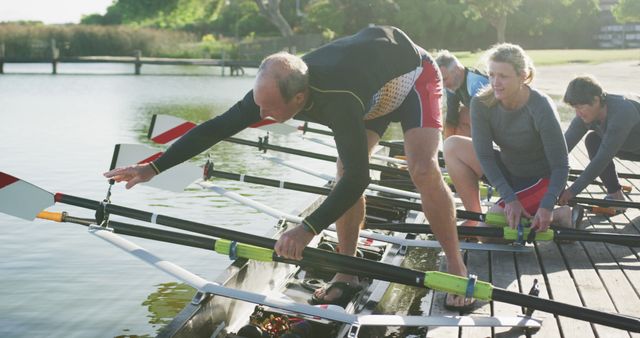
(572, 311)
(348, 264)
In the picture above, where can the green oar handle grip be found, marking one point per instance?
(499, 219)
(223, 246)
(446, 282)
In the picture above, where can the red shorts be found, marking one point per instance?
(530, 196)
(421, 106)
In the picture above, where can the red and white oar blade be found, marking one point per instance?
(22, 199)
(175, 179)
(274, 127)
(166, 129)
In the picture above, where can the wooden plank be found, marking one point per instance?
(529, 270)
(504, 275)
(561, 288)
(608, 262)
(478, 264)
(591, 288)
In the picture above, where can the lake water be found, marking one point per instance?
(58, 132)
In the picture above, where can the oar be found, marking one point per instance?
(605, 203)
(503, 231)
(221, 246)
(501, 228)
(485, 191)
(277, 214)
(210, 172)
(161, 132)
(297, 309)
(621, 175)
(431, 279)
(387, 159)
(400, 147)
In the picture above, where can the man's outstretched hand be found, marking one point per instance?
(132, 174)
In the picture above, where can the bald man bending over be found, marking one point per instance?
(356, 86)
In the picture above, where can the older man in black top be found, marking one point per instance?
(356, 86)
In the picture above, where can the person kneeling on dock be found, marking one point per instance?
(462, 83)
(531, 168)
(612, 125)
(355, 85)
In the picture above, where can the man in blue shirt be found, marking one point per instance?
(462, 84)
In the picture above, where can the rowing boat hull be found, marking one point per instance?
(212, 316)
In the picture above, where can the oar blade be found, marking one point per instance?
(22, 199)
(166, 129)
(175, 179)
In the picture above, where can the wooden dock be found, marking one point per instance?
(594, 275)
(236, 67)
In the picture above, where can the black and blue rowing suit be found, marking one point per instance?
(359, 82)
(473, 81)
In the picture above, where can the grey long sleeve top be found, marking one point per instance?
(620, 132)
(530, 140)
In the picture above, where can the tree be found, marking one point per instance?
(494, 11)
(271, 10)
(627, 11)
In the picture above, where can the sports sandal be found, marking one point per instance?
(467, 307)
(347, 293)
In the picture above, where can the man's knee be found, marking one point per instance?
(425, 172)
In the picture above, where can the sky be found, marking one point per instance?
(51, 11)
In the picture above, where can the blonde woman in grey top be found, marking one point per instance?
(530, 168)
(612, 125)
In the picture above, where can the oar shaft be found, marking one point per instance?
(621, 175)
(494, 232)
(591, 236)
(606, 203)
(261, 146)
(325, 191)
(189, 240)
(567, 310)
(342, 263)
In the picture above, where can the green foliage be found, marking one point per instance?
(554, 24)
(627, 11)
(491, 10)
(439, 24)
(27, 41)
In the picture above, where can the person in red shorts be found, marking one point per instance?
(531, 167)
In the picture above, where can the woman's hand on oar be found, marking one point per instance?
(542, 220)
(133, 174)
(565, 197)
(513, 211)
